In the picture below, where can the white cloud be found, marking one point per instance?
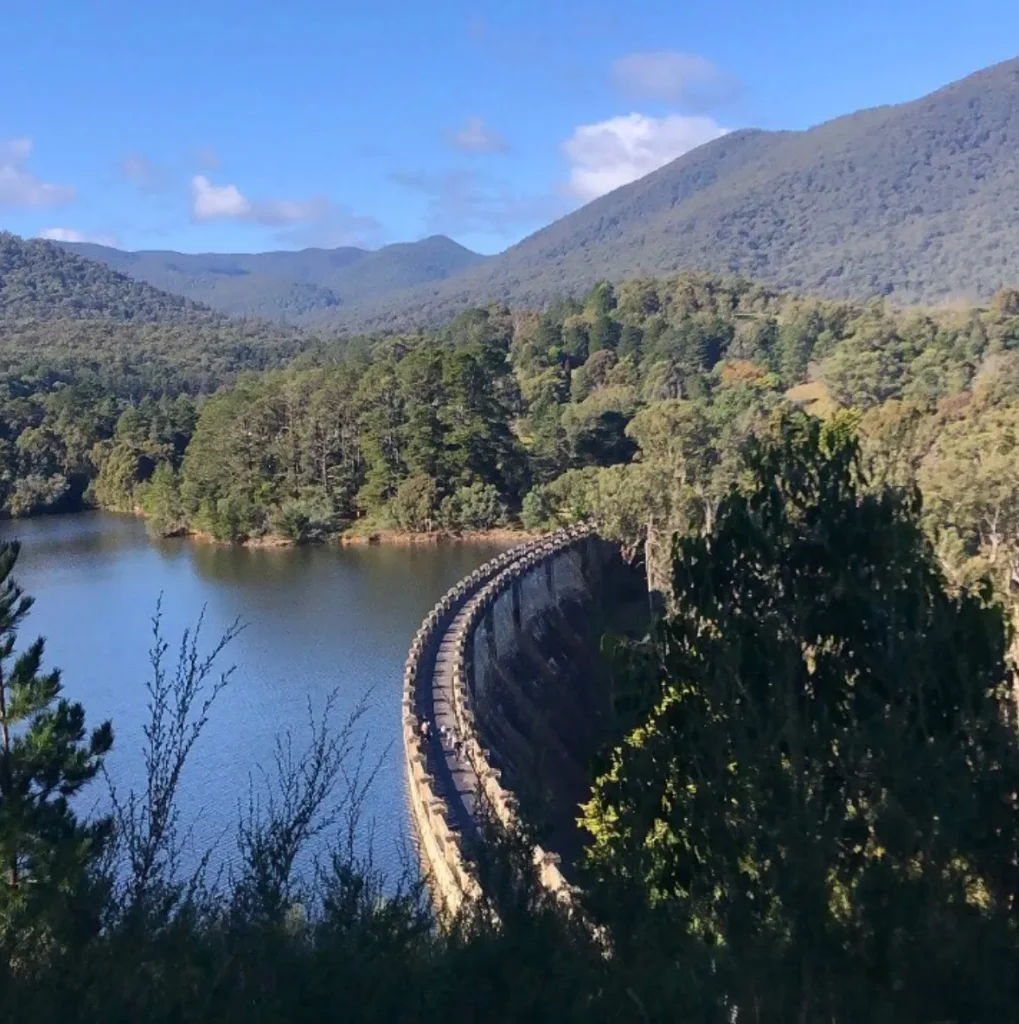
(476, 137)
(685, 79)
(217, 202)
(314, 220)
(18, 186)
(70, 235)
(615, 152)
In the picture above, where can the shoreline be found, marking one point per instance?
(404, 538)
(377, 538)
(498, 536)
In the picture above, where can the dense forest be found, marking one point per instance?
(68, 320)
(810, 812)
(808, 809)
(297, 287)
(629, 406)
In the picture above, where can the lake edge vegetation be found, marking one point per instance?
(810, 812)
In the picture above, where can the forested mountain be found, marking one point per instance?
(917, 201)
(61, 313)
(630, 404)
(811, 587)
(292, 286)
(38, 280)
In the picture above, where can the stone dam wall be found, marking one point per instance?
(507, 699)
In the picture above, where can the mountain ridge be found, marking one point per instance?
(917, 201)
(63, 314)
(40, 280)
(286, 284)
(883, 201)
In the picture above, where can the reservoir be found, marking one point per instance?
(317, 620)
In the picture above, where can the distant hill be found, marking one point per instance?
(62, 312)
(292, 286)
(918, 201)
(38, 280)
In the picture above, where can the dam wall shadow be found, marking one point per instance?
(507, 700)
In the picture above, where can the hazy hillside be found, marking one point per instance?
(289, 285)
(59, 311)
(919, 201)
(40, 281)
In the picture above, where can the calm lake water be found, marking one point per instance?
(317, 620)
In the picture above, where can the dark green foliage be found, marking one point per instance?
(814, 818)
(63, 316)
(40, 280)
(820, 797)
(129, 936)
(495, 400)
(46, 757)
(393, 440)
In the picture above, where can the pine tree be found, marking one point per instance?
(45, 760)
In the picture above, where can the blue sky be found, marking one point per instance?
(230, 126)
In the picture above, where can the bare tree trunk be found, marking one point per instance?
(649, 555)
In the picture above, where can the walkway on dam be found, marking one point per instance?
(449, 795)
(456, 782)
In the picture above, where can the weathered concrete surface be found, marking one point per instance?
(507, 699)
(436, 782)
(541, 689)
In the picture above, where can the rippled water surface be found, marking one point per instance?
(317, 620)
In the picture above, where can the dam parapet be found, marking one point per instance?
(507, 699)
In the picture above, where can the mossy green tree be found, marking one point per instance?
(160, 500)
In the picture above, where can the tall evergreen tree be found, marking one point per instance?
(46, 757)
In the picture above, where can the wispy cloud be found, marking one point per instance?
(477, 29)
(19, 186)
(70, 235)
(507, 43)
(476, 137)
(206, 158)
(282, 212)
(308, 222)
(612, 153)
(226, 202)
(340, 227)
(141, 171)
(683, 79)
(465, 202)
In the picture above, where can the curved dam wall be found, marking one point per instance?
(507, 699)
(432, 801)
(540, 687)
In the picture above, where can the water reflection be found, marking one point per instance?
(317, 619)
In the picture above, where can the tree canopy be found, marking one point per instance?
(821, 795)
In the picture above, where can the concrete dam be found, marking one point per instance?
(508, 699)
